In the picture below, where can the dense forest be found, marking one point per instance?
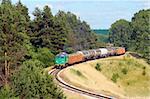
(27, 46)
(102, 35)
(134, 35)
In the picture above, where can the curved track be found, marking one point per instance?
(64, 85)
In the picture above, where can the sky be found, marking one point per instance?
(99, 14)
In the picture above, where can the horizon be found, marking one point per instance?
(100, 15)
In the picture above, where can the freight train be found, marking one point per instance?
(63, 59)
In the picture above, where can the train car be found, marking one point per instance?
(104, 52)
(61, 59)
(111, 51)
(85, 53)
(98, 53)
(92, 54)
(120, 50)
(75, 58)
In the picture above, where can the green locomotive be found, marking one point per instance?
(61, 59)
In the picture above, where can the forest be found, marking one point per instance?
(27, 46)
(134, 35)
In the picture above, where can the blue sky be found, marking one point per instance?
(97, 13)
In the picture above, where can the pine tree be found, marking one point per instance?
(12, 34)
(79, 34)
(47, 31)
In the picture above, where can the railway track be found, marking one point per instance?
(64, 85)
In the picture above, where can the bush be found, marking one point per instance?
(129, 61)
(115, 77)
(124, 71)
(7, 93)
(111, 62)
(144, 72)
(30, 82)
(43, 55)
(79, 73)
(98, 67)
(121, 63)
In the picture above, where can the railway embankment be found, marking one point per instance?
(124, 76)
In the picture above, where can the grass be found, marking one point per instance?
(120, 75)
(94, 81)
(131, 73)
(77, 72)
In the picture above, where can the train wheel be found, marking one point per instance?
(66, 65)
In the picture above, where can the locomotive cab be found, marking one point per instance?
(61, 60)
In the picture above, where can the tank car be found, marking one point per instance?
(86, 54)
(92, 54)
(104, 52)
(111, 51)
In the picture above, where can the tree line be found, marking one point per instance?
(134, 35)
(27, 46)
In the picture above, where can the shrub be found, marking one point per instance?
(124, 71)
(111, 62)
(144, 68)
(128, 83)
(45, 56)
(144, 72)
(31, 83)
(129, 62)
(115, 77)
(78, 73)
(121, 63)
(98, 67)
(7, 93)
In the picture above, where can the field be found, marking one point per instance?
(122, 76)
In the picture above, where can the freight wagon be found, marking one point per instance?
(74, 58)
